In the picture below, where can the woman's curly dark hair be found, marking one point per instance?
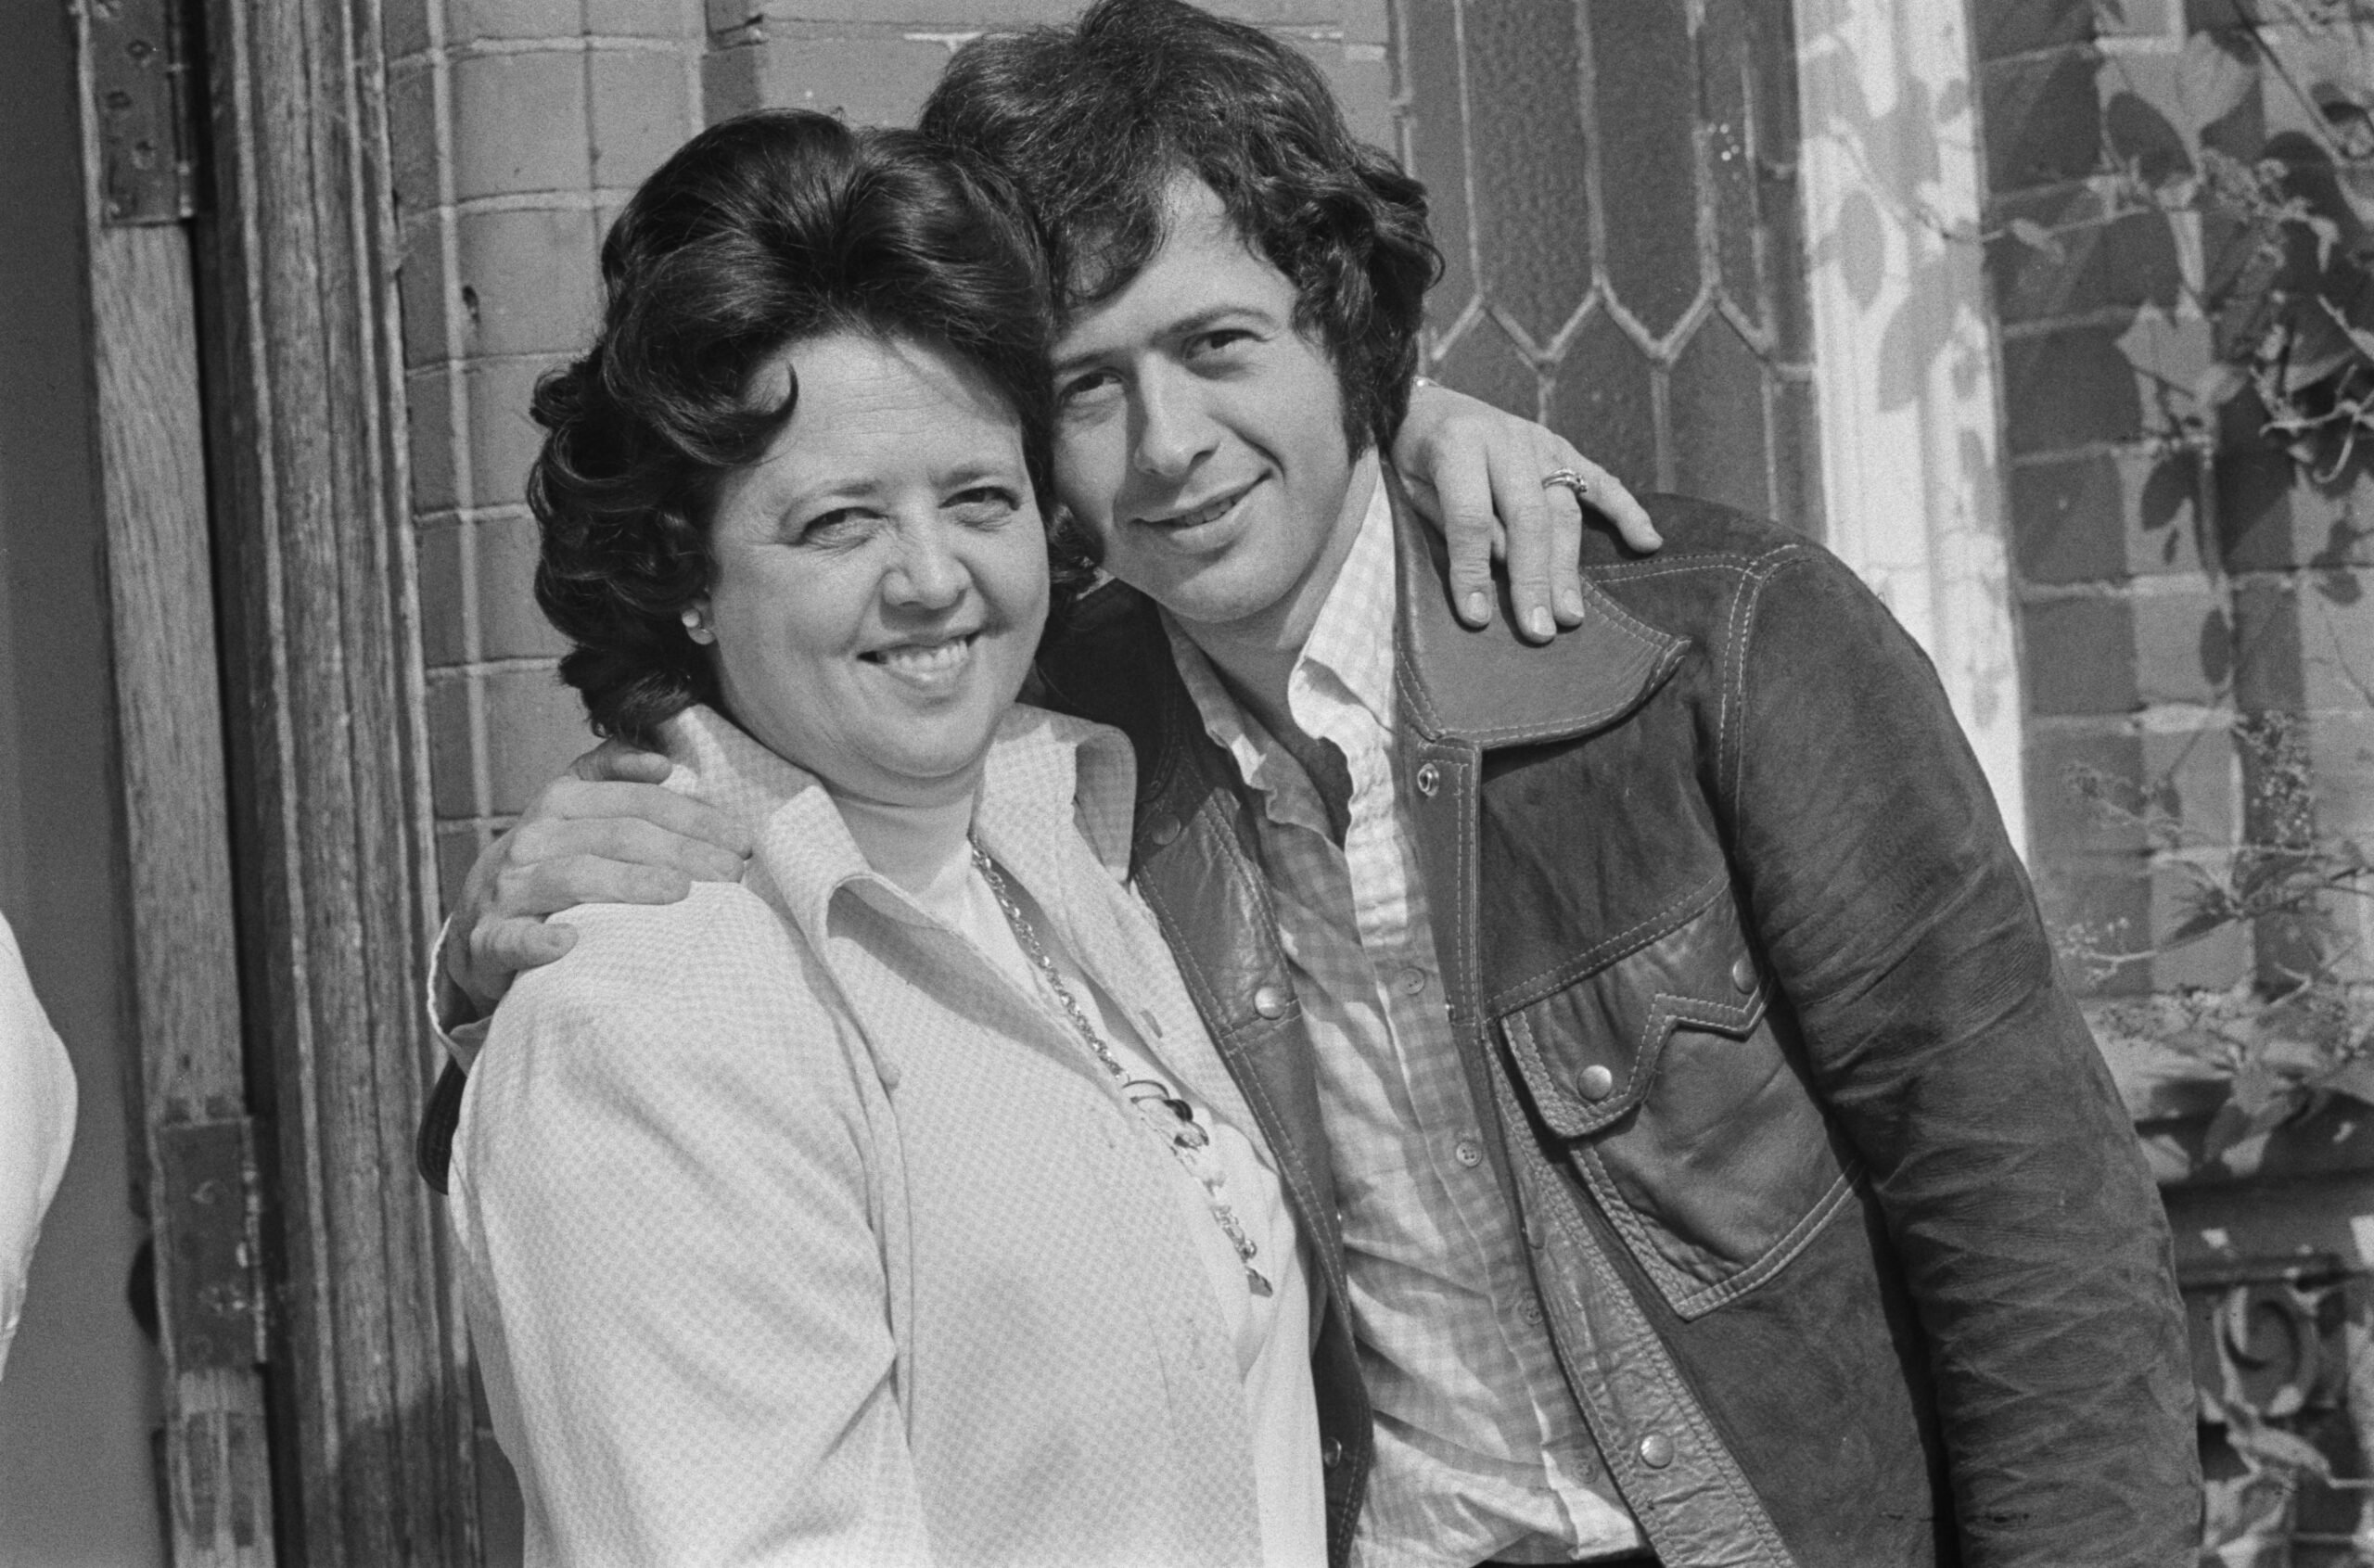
(1093, 122)
(760, 231)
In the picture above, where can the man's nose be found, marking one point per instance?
(1173, 429)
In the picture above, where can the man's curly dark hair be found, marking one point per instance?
(760, 232)
(1093, 122)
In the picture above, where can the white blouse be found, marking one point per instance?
(795, 1228)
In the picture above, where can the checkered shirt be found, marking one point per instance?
(1482, 1451)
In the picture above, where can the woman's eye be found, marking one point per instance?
(985, 503)
(839, 526)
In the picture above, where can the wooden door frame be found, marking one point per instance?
(251, 437)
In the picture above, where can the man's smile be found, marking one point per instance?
(1188, 524)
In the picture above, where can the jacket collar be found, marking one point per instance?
(1461, 685)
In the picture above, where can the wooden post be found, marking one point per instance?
(192, 1124)
(305, 408)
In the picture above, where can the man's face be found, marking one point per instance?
(1201, 437)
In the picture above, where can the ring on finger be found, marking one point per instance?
(1570, 480)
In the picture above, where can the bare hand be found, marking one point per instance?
(605, 832)
(1475, 472)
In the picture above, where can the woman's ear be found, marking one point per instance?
(696, 624)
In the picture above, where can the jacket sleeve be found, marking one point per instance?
(665, 1213)
(1901, 926)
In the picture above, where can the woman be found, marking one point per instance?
(892, 1206)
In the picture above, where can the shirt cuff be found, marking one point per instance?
(453, 1018)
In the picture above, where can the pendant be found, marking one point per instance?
(1260, 1285)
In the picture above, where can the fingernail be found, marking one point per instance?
(1478, 605)
(1537, 621)
(1571, 602)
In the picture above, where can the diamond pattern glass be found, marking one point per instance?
(1613, 186)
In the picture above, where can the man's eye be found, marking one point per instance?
(1218, 341)
(1087, 388)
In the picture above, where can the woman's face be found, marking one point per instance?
(881, 572)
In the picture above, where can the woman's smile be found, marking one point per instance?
(929, 667)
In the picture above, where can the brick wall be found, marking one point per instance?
(2189, 590)
(519, 128)
(2176, 571)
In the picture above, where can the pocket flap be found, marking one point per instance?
(1589, 1050)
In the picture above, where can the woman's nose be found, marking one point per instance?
(926, 574)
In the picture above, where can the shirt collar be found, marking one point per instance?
(1046, 775)
(1347, 657)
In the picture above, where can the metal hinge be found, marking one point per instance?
(211, 1288)
(138, 68)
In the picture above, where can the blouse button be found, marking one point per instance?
(1413, 979)
(1430, 778)
(1595, 1081)
(1269, 1002)
(1467, 1154)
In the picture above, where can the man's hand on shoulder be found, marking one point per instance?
(609, 832)
(1477, 473)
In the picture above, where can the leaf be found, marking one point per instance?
(2353, 1078)
(2257, 1090)
(2288, 1058)
(2212, 79)
(2358, 335)
(2327, 235)
(2220, 384)
(2201, 923)
(2035, 237)
(2268, 1446)
(2226, 1129)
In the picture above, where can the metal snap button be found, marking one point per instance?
(1743, 973)
(1595, 1082)
(1656, 1450)
(1430, 778)
(1269, 1002)
(1165, 830)
(1330, 1453)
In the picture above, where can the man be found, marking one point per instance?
(1655, 1029)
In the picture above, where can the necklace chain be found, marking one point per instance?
(1174, 1107)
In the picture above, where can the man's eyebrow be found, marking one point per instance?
(1180, 326)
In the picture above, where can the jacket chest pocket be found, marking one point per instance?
(1683, 1105)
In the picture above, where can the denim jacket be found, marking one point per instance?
(1848, 1249)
